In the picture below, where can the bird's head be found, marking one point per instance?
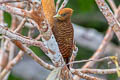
(64, 14)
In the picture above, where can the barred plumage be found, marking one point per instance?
(63, 32)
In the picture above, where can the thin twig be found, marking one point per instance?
(10, 65)
(101, 48)
(112, 21)
(97, 71)
(96, 60)
(17, 58)
(104, 43)
(33, 55)
(23, 39)
(112, 5)
(2, 41)
(75, 51)
(12, 1)
(38, 37)
(14, 10)
(84, 76)
(20, 26)
(63, 4)
(57, 4)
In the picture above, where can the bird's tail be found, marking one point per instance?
(67, 61)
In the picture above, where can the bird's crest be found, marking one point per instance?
(65, 11)
(64, 14)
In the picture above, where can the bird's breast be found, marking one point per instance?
(63, 32)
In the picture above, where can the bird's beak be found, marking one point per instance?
(57, 16)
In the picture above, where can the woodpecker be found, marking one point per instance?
(64, 33)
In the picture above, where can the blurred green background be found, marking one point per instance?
(87, 14)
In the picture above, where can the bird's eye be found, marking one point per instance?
(63, 14)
